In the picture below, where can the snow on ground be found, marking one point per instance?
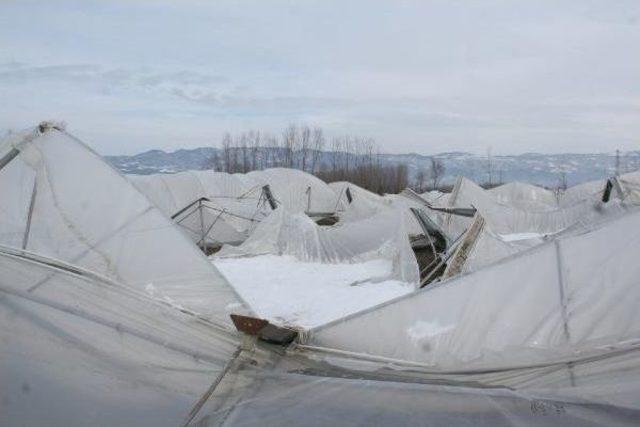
(306, 294)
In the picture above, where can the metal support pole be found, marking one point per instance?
(202, 230)
(27, 229)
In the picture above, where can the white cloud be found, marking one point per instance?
(418, 76)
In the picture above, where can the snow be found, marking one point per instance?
(291, 292)
(520, 236)
(423, 329)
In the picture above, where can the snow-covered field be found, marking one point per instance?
(287, 291)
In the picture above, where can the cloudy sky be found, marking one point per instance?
(422, 76)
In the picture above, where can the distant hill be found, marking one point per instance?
(535, 168)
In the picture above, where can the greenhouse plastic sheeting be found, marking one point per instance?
(208, 223)
(505, 219)
(275, 391)
(381, 236)
(230, 213)
(490, 247)
(297, 191)
(631, 187)
(525, 196)
(61, 200)
(594, 190)
(565, 299)
(403, 205)
(364, 203)
(235, 202)
(591, 190)
(172, 192)
(83, 350)
(518, 216)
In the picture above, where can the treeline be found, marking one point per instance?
(348, 158)
(297, 148)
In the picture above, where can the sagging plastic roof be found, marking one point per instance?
(569, 299)
(491, 246)
(227, 207)
(234, 203)
(380, 236)
(306, 387)
(519, 216)
(297, 191)
(357, 203)
(293, 189)
(365, 204)
(593, 190)
(61, 200)
(506, 219)
(525, 196)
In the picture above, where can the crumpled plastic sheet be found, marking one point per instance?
(81, 350)
(381, 236)
(272, 391)
(563, 300)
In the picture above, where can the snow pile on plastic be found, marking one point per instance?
(288, 291)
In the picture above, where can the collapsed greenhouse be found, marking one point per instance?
(204, 298)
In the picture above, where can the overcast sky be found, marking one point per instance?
(420, 76)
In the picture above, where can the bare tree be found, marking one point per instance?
(562, 184)
(244, 153)
(270, 152)
(420, 181)
(489, 167)
(353, 159)
(436, 172)
(318, 146)
(402, 177)
(213, 162)
(289, 142)
(305, 143)
(254, 141)
(336, 146)
(226, 152)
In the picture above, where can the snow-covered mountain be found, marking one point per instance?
(542, 169)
